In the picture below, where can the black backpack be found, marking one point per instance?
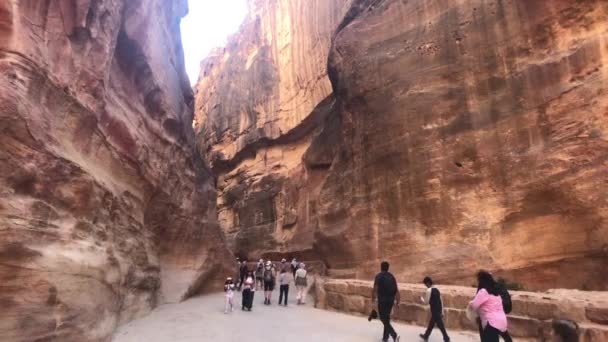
(507, 305)
(268, 274)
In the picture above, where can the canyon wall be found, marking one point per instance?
(259, 102)
(105, 208)
(459, 135)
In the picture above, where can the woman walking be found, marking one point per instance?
(488, 305)
(248, 292)
(301, 283)
(283, 285)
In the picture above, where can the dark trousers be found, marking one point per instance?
(505, 335)
(242, 281)
(490, 334)
(385, 306)
(283, 289)
(438, 320)
(247, 301)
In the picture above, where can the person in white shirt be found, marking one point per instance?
(301, 283)
(433, 298)
(229, 295)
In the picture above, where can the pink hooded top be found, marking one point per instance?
(490, 310)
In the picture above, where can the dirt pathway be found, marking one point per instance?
(202, 319)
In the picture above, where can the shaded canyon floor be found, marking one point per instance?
(202, 319)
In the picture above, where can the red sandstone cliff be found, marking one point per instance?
(105, 209)
(259, 102)
(459, 135)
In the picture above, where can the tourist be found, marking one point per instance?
(243, 273)
(259, 274)
(229, 295)
(248, 292)
(294, 267)
(284, 265)
(301, 283)
(269, 280)
(488, 305)
(433, 298)
(283, 285)
(385, 289)
(565, 330)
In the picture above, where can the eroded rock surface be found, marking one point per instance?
(474, 135)
(459, 135)
(259, 102)
(105, 209)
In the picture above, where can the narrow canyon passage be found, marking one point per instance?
(441, 136)
(202, 319)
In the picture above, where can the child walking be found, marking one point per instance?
(229, 295)
(433, 298)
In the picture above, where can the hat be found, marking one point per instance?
(229, 278)
(283, 260)
(268, 263)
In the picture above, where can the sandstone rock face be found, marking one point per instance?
(105, 208)
(530, 319)
(473, 135)
(459, 136)
(259, 103)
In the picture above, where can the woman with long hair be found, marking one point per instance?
(488, 304)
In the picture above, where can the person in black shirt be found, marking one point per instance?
(385, 288)
(433, 297)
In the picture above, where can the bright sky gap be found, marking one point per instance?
(207, 25)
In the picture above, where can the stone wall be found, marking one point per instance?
(531, 316)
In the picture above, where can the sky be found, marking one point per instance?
(207, 25)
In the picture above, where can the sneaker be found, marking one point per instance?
(425, 338)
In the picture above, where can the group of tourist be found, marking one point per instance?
(489, 308)
(265, 276)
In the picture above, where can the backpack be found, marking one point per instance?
(268, 274)
(507, 305)
(387, 284)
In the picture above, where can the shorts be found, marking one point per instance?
(268, 285)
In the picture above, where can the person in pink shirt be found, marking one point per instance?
(488, 304)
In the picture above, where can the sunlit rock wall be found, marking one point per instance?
(105, 209)
(474, 135)
(259, 102)
(459, 135)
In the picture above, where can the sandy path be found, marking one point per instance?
(202, 319)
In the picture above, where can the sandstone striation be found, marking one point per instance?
(474, 135)
(105, 208)
(259, 102)
(458, 135)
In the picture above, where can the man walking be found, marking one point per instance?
(433, 298)
(385, 288)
